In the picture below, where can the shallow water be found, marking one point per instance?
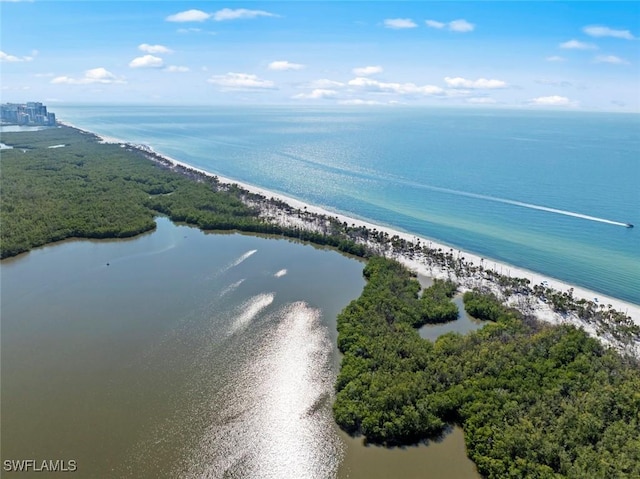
(441, 458)
(188, 355)
(463, 325)
(185, 354)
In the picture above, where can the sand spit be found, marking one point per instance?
(614, 322)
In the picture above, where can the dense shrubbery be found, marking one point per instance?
(534, 400)
(436, 306)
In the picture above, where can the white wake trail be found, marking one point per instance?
(250, 310)
(237, 261)
(522, 204)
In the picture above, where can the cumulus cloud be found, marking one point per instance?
(189, 16)
(147, 61)
(5, 57)
(576, 45)
(602, 31)
(399, 23)
(554, 100)
(555, 58)
(435, 24)
(369, 70)
(176, 69)
(283, 65)
(370, 84)
(317, 94)
(240, 13)
(480, 83)
(145, 47)
(325, 83)
(614, 60)
(94, 75)
(461, 25)
(241, 81)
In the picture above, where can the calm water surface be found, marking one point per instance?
(184, 354)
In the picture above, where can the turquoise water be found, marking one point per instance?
(510, 185)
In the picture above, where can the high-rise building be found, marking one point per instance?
(31, 113)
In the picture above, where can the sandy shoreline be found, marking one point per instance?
(421, 267)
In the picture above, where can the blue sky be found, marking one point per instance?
(563, 55)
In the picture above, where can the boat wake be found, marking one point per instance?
(237, 261)
(231, 287)
(250, 310)
(522, 204)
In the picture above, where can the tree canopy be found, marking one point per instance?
(534, 400)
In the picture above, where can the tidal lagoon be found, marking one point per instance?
(185, 354)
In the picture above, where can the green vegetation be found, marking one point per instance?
(436, 306)
(534, 400)
(87, 189)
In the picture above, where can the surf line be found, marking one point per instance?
(528, 205)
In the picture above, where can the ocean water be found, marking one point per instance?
(547, 191)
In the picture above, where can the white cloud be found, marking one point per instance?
(147, 61)
(576, 45)
(434, 24)
(317, 94)
(370, 84)
(546, 81)
(241, 81)
(283, 65)
(94, 75)
(188, 30)
(5, 57)
(457, 93)
(176, 69)
(461, 26)
(602, 31)
(358, 101)
(189, 16)
(399, 23)
(325, 83)
(610, 59)
(480, 83)
(484, 100)
(553, 100)
(369, 70)
(555, 58)
(240, 13)
(145, 47)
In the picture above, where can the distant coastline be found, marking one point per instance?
(409, 250)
